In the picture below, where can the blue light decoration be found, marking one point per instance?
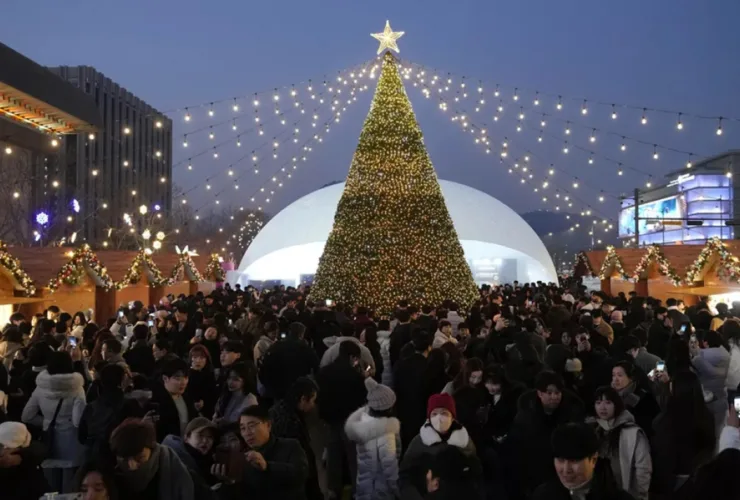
(75, 205)
(42, 218)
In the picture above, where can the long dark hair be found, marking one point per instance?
(610, 394)
(686, 414)
(463, 378)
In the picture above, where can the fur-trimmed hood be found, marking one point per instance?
(459, 436)
(361, 427)
(62, 385)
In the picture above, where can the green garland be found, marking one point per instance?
(214, 269)
(13, 265)
(728, 264)
(612, 260)
(654, 254)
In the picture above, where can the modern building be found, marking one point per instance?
(129, 163)
(694, 204)
(40, 119)
(499, 245)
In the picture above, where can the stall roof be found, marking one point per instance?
(34, 96)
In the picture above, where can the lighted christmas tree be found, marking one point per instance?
(393, 237)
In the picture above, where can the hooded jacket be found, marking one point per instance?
(441, 339)
(378, 442)
(40, 409)
(631, 463)
(712, 365)
(332, 353)
(427, 444)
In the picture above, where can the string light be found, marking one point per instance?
(614, 112)
(644, 120)
(719, 127)
(679, 124)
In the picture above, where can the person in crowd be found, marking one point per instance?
(111, 350)
(377, 435)
(79, 321)
(601, 326)
(20, 458)
(268, 338)
(410, 385)
(202, 388)
(731, 335)
(238, 394)
(276, 468)
(634, 348)
(108, 410)
(286, 361)
(581, 474)
(232, 352)
(439, 432)
(443, 334)
(454, 318)
(288, 417)
(530, 336)
(348, 334)
(503, 396)
(341, 392)
(12, 342)
(684, 436)
(369, 338)
(676, 312)
(194, 450)
(623, 442)
(400, 335)
(170, 404)
(633, 387)
(711, 361)
(56, 406)
(96, 482)
(660, 333)
(15, 320)
(146, 470)
(540, 411)
(471, 375)
(452, 475)
(616, 322)
(211, 342)
(139, 357)
(426, 319)
(185, 329)
(384, 341)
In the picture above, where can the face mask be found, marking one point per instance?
(441, 423)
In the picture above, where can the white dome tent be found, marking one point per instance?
(499, 245)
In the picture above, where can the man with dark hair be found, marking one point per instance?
(426, 320)
(580, 472)
(286, 361)
(288, 417)
(400, 336)
(643, 359)
(111, 351)
(602, 327)
(276, 468)
(171, 404)
(147, 470)
(15, 320)
(530, 336)
(342, 390)
(452, 475)
(677, 312)
(660, 333)
(409, 385)
(528, 444)
(349, 333)
(185, 331)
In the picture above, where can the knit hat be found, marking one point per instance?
(441, 401)
(574, 441)
(14, 435)
(199, 423)
(379, 397)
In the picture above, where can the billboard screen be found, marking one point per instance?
(651, 215)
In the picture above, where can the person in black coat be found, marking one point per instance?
(540, 411)
(139, 357)
(286, 361)
(410, 387)
(400, 336)
(202, 388)
(660, 333)
(426, 320)
(20, 473)
(503, 398)
(580, 472)
(341, 392)
(170, 402)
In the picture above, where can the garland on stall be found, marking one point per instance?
(214, 269)
(185, 263)
(582, 258)
(13, 265)
(654, 254)
(728, 268)
(83, 260)
(612, 260)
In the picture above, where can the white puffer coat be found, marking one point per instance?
(378, 443)
(384, 339)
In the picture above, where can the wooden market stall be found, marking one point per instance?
(685, 272)
(83, 280)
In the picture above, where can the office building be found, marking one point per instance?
(129, 163)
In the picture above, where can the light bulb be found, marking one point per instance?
(187, 117)
(679, 125)
(158, 124)
(91, 137)
(614, 115)
(623, 147)
(719, 130)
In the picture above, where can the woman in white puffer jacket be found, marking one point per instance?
(731, 333)
(377, 436)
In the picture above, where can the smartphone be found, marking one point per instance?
(72, 341)
(737, 405)
(150, 323)
(231, 321)
(233, 460)
(329, 302)
(682, 330)
(368, 368)
(120, 314)
(283, 335)
(660, 366)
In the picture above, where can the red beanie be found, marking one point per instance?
(441, 401)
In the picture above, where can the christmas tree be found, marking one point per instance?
(392, 237)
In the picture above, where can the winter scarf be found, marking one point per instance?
(137, 480)
(628, 395)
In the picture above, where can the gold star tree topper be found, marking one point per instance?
(388, 38)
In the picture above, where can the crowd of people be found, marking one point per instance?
(535, 392)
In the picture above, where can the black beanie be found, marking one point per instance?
(574, 442)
